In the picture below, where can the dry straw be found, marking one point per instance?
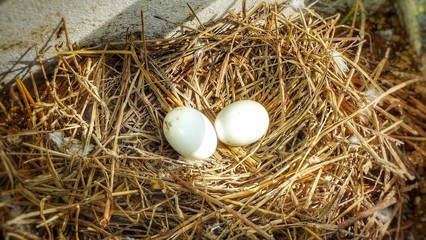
(83, 154)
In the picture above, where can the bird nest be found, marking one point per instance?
(83, 154)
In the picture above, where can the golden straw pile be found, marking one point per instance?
(83, 154)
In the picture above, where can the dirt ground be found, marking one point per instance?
(386, 32)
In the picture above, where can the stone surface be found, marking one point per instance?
(25, 24)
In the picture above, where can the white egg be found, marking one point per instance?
(190, 133)
(241, 123)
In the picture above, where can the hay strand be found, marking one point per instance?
(84, 156)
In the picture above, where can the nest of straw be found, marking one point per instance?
(83, 154)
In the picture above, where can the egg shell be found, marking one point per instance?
(241, 123)
(190, 133)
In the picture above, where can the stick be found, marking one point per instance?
(366, 213)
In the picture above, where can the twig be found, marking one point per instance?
(386, 203)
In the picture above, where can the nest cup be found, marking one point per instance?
(88, 159)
